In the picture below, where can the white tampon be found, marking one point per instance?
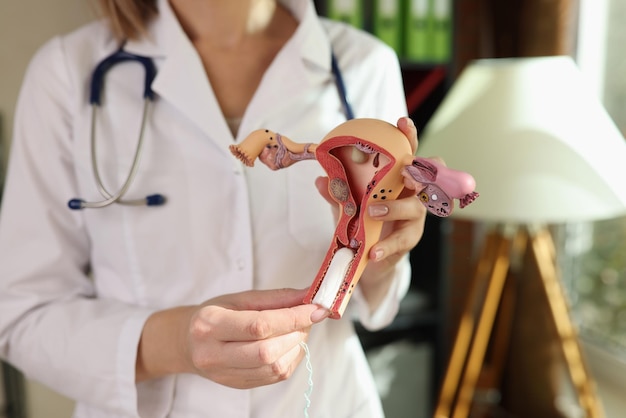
(333, 278)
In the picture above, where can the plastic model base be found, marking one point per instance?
(368, 161)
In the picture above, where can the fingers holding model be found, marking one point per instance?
(403, 217)
(403, 225)
(241, 340)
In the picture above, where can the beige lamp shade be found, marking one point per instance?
(540, 145)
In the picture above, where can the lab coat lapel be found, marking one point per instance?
(280, 88)
(183, 82)
(303, 62)
(181, 79)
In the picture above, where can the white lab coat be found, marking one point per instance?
(77, 286)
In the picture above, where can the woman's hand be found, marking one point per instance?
(403, 228)
(241, 340)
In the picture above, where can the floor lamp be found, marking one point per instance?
(543, 151)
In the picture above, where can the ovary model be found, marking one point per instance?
(367, 161)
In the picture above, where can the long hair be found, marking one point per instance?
(128, 18)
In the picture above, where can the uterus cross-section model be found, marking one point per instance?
(367, 161)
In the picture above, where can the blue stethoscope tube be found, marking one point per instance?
(97, 85)
(341, 87)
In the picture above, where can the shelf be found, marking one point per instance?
(420, 87)
(417, 320)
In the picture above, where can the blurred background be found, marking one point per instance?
(436, 40)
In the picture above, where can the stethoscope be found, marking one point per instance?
(95, 99)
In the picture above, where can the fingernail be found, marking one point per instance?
(319, 315)
(378, 254)
(378, 210)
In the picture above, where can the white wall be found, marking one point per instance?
(24, 26)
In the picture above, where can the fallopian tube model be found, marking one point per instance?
(367, 161)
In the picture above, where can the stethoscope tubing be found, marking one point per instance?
(95, 99)
(341, 87)
(110, 198)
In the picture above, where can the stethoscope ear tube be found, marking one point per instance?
(119, 56)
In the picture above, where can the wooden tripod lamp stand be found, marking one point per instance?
(543, 151)
(493, 287)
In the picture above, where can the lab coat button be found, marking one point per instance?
(240, 264)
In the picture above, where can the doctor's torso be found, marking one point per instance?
(225, 227)
(262, 221)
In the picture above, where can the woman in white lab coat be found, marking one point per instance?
(172, 310)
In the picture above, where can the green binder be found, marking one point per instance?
(348, 11)
(441, 30)
(416, 30)
(387, 22)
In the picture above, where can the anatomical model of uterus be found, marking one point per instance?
(367, 161)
